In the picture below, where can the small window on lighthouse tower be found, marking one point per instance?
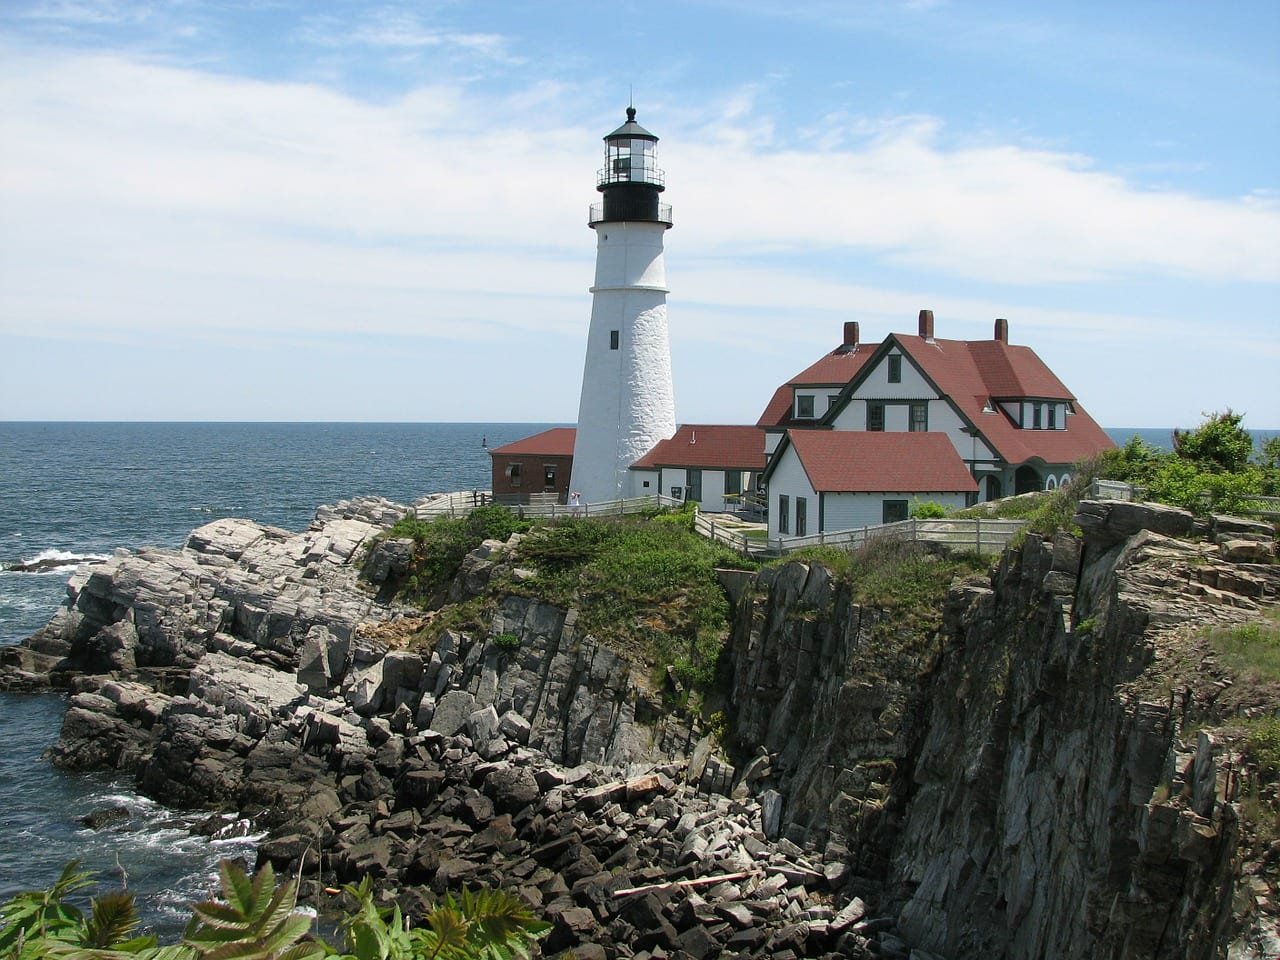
(613, 339)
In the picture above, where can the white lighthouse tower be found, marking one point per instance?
(627, 403)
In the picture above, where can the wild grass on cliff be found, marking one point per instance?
(645, 586)
(1250, 651)
(441, 544)
(895, 574)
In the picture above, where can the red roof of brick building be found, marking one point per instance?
(556, 442)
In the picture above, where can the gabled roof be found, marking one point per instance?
(972, 372)
(556, 442)
(712, 446)
(857, 461)
(834, 369)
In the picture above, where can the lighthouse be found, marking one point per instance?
(627, 404)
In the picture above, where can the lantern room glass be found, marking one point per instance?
(631, 159)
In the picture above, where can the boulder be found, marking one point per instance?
(451, 712)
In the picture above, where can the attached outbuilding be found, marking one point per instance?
(711, 464)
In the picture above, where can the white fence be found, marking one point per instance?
(451, 504)
(981, 536)
(728, 534)
(463, 502)
(604, 508)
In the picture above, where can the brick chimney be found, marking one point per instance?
(926, 324)
(1002, 330)
(850, 334)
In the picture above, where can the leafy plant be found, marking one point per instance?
(256, 922)
(41, 923)
(928, 510)
(1210, 468)
(507, 641)
(487, 925)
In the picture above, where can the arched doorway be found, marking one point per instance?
(1027, 480)
(995, 489)
(1051, 483)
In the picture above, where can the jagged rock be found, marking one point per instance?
(322, 659)
(1247, 551)
(452, 711)
(1114, 521)
(389, 560)
(482, 725)
(514, 727)
(97, 819)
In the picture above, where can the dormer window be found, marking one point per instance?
(895, 368)
(804, 407)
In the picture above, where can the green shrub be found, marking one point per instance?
(892, 573)
(507, 641)
(928, 510)
(1209, 469)
(441, 544)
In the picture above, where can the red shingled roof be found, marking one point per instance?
(712, 446)
(971, 372)
(835, 369)
(857, 461)
(556, 442)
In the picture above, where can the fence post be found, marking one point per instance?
(977, 534)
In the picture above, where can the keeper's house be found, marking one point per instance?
(868, 429)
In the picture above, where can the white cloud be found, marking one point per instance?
(140, 201)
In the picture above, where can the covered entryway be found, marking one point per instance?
(1027, 480)
(995, 489)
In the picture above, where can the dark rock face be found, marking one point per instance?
(987, 791)
(1004, 789)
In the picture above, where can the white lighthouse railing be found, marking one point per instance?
(596, 215)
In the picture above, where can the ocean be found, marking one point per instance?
(79, 490)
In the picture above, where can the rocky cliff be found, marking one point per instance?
(1033, 778)
(1030, 781)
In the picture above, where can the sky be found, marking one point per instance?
(285, 210)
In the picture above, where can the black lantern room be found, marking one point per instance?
(630, 180)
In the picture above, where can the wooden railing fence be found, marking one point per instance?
(981, 536)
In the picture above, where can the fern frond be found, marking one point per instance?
(112, 918)
(71, 880)
(237, 888)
